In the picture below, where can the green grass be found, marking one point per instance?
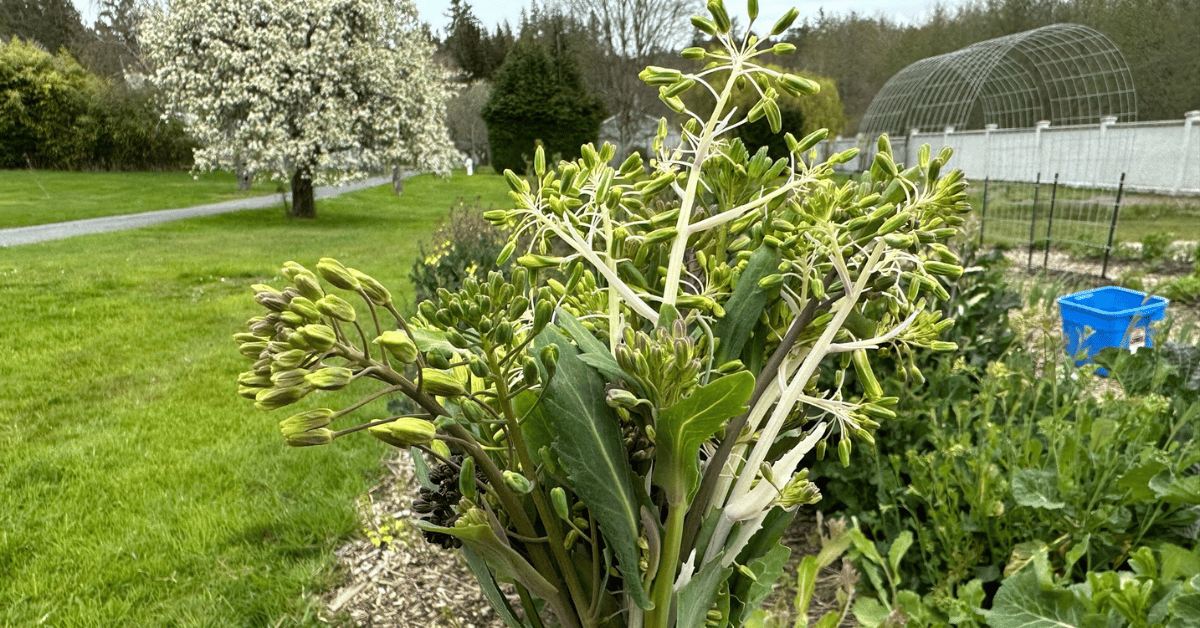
(1085, 215)
(38, 197)
(136, 488)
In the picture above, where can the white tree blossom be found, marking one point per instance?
(312, 90)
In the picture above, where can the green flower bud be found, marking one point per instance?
(844, 451)
(752, 9)
(661, 235)
(693, 52)
(785, 22)
(399, 345)
(558, 498)
(308, 286)
(952, 271)
(273, 398)
(440, 448)
(305, 308)
(255, 380)
(621, 398)
(478, 367)
(306, 421)
(288, 378)
(310, 438)
(441, 383)
(798, 492)
(535, 262)
(717, 9)
(252, 350)
(704, 25)
(542, 313)
(466, 478)
(404, 432)
(654, 75)
(320, 337)
(529, 372)
(515, 182)
(336, 307)
(248, 392)
(374, 290)
(783, 48)
(518, 482)
(289, 359)
(335, 273)
(330, 378)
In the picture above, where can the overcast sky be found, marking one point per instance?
(492, 12)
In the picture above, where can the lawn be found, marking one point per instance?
(37, 197)
(136, 488)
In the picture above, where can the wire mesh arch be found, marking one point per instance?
(1065, 73)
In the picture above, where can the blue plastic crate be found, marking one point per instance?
(1109, 317)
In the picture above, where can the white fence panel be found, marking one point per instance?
(1161, 157)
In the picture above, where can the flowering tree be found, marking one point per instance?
(311, 90)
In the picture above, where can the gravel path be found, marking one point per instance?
(57, 231)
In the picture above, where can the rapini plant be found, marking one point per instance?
(618, 429)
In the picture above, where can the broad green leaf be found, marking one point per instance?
(487, 584)
(745, 305)
(430, 339)
(698, 595)
(896, 552)
(420, 468)
(1176, 490)
(748, 593)
(868, 611)
(588, 444)
(685, 426)
(502, 559)
(806, 584)
(1036, 488)
(593, 352)
(1178, 563)
(1137, 481)
(1021, 602)
(1185, 611)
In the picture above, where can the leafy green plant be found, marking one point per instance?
(1160, 590)
(465, 246)
(625, 445)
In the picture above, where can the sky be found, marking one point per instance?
(493, 12)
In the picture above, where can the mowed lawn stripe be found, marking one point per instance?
(136, 488)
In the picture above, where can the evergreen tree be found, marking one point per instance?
(53, 24)
(538, 96)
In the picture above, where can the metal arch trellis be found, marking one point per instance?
(1064, 73)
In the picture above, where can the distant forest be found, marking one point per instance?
(1160, 40)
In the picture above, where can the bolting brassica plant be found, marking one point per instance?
(619, 428)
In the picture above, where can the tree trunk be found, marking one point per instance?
(397, 180)
(244, 177)
(303, 203)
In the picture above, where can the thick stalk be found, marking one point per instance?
(679, 246)
(545, 512)
(664, 581)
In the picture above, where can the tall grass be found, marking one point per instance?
(136, 488)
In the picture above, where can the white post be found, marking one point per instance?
(1189, 120)
(1037, 142)
(470, 163)
(1108, 160)
(987, 149)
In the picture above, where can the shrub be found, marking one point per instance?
(56, 115)
(46, 120)
(465, 246)
(537, 96)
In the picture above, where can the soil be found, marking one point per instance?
(404, 582)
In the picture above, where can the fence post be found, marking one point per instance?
(1037, 185)
(1189, 121)
(1050, 223)
(1112, 228)
(987, 149)
(1037, 144)
(983, 211)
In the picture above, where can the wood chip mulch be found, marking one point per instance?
(404, 582)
